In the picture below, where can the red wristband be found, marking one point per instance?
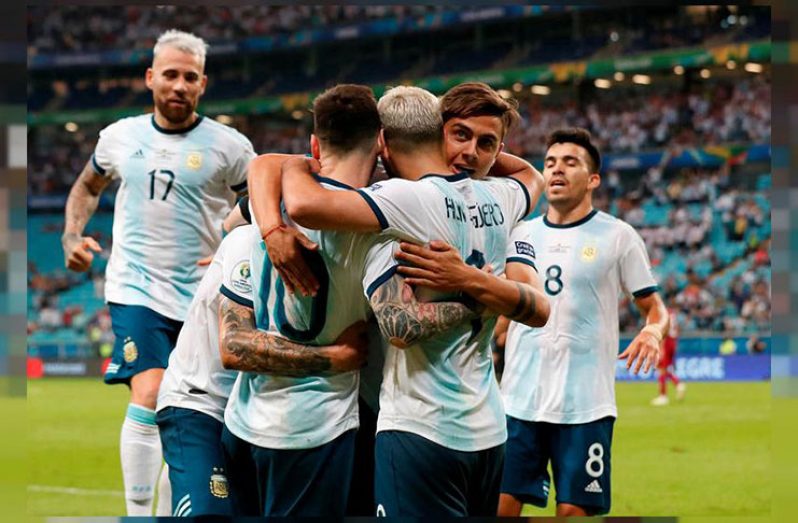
(281, 226)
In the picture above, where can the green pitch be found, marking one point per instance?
(707, 456)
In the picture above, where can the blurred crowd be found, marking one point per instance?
(713, 113)
(631, 120)
(99, 28)
(705, 216)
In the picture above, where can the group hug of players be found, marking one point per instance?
(334, 357)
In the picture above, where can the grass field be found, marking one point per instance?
(707, 456)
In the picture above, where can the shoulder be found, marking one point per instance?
(224, 132)
(394, 184)
(239, 239)
(127, 125)
(615, 223)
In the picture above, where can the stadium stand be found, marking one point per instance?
(686, 175)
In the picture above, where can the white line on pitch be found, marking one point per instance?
(75, 491)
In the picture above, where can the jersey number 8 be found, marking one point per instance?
(553, 283)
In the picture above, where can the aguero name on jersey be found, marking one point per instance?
(298, 413)
(195, 378)
(444, 388)
(565, 372)
(176, 188)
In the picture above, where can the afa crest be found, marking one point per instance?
(218, 483)
(589, 253)
(194, 160)
(129, 350)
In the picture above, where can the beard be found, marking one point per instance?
(175, 114)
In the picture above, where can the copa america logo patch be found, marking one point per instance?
(525, 248)
(239, 279)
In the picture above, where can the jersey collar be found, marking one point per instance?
(462, 175)
(330, 181)
(176, 131)
(572, 224)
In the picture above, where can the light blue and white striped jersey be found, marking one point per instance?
(299, 413)
(176, 188)
(565, 372)
(444, 388)
(195, 378)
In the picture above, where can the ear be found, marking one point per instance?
(501, 148)
(381, 145)
(593, 181)
(203, 84)
(148, 78)
(315, 151)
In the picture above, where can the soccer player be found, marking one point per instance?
(180, 173)
(558, 382)
(293, 435)
(476, 119)
(665, 364)
(440, 441)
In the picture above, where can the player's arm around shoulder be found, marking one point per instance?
(519, 295)
(265, 188)
(243, 347)
(405, 321)
(508, 165)
(312, 206)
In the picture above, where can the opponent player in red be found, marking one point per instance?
(665, 364)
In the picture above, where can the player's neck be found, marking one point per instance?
(565, 215)
(163, 123)
(354, 170)
(415, 166)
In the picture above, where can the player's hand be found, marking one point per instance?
(78, 251)
(351, 348)
(205, 261)
(438, 267)
(643, 349)
(285, 246)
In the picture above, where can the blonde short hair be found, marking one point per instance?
(186, 42)
(410, 117)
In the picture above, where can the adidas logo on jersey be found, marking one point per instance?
(138, 154)
(594, 487)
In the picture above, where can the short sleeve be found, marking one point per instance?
(511, 195)
(380, 264)
(237, 173)
(102, 159)
(236, 280)
(393, 202)
(520, 248)
(636, 275)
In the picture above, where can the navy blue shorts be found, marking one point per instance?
(417, 477)
(301, 482)
(580, 463)
(192, 448)
(361, 492)
(144, 340)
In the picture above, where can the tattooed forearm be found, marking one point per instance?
(525, 310)
(83, 200)
(243, 347)
(405, 321)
